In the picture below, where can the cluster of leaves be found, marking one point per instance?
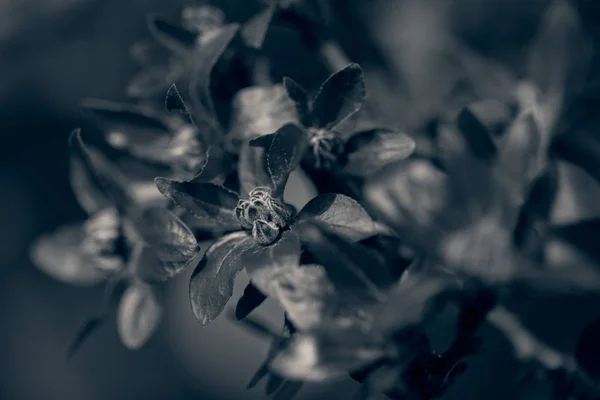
(392, 238)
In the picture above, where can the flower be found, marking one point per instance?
(122, 242)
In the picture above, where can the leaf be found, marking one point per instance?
(250, 300)
(369, 151)
(151, 81)
(341, 214)
(174, 102)
(581, 149)
(587, 351)
(300, 98)
(493, 114)
(85, 331)
(210, 202)
(170, 239)
(173, 36)
(255, 29)
(284, 155)
(211, 284)
(138, 315)
(85, 186)
(58, 255)
(582, 235)
(252, 169)
(342, 94)
(476, 135)
(106, 175)
(288, 390)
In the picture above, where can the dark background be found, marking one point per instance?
(54, 53)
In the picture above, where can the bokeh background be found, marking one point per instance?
(55, 53)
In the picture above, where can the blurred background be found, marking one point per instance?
(55, 53)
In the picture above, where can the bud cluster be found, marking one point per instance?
(265, 215)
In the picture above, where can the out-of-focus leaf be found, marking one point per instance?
(285, 153)
(582, 235)
(288, 390)
(580, 149)
(587, 350)
(493, 114)
(252, 169)
(259, 110)
(476, 135)
(369, 151)
(250, 300)
(300, 98)
(340, 96)
(85, 331)
(254, 30)
(211, 284)
(341, 214)
(207, 201)
(58, 255)
(85, 186)
(326, 353)
(173, 36)
(172, 241)
(151, 81)
(146, 52)
(138, 315)
(107, 176)
(174, 102)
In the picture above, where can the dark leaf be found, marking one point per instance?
(369, 151)
(151, 81)
(288, 390)
(210, 202)
(285, 153)
(273, 383)
(138, 315)
(255, 30)
(493, 114)
(340, 96)
(341, 214)
(587, 349)
(174, 102)
(211, 284)
(582, 235)
(252, 169)
(300, 98)
(173, 36)
(477, 136)
(85, 331)
(170, 239)
(580, 149)
(58, 255)
(250, 300)
(106, 175)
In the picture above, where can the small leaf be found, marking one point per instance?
(138, 315)
(252, 169)
(174, 102)
(250, 300)
(85, 331)
(211, 284)
(587, 351)
(341, 214)
(207, 201)
(173, 243)
(58, 255)
(173, 36)
(477, 136)
(254, 30)
(369, 151)
(300, 98)
(340, 96)
(284, 155)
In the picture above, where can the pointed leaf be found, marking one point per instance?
(174, 102)
(369, 151)
(172, 242)
(476, 135)
(151, 81)
(250, 300)
(58, 255)
(341, 95)
(207, 201)
(252, 169)
(285, 153)
(300, 98)
(173, 36)
(254, 30)
(85, 186)
(85, 331)
(211, 284)
(138, 315)
(341, 214)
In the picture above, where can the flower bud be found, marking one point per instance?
(103, 239)
(265, 232)
(325, 148)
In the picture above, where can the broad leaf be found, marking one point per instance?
(151, 81)
(173, 36)
(300, 98)
(255, 30)
(173, 243)
(209, 202)
(340, 96)
(252, 169)
(138, 315)
(285, 153)
(211, 284)
(250, 300)
(58, 255)
(369, 151)
(341, 214)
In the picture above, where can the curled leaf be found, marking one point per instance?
(138, 315)
(211, 284)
